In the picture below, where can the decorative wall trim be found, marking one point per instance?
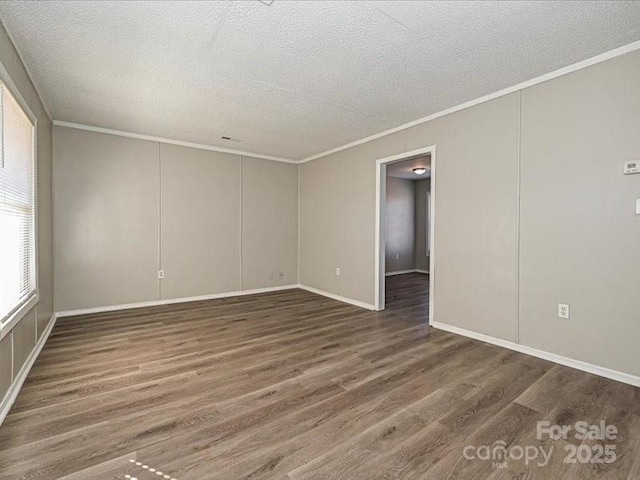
(339, 298)
(16, 385)
(552, 357)
(36, 88)
(12, 320)
(151, 138)
(170, 301)
(500, 93)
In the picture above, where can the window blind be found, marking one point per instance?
(17, 206)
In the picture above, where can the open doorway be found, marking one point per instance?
(405, 194)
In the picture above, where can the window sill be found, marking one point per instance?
(7, 325)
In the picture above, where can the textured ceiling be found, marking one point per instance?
(405, 168)
(294, 78)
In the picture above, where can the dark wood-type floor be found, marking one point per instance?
(295, 386)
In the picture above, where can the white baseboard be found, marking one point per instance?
(552, 357)
(402, 272)
(426, 272)
(127, 306)
(399, 272)
(154, 303)
(333, 296)
(16, 385)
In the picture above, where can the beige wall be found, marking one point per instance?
(476, 205)
(6, 357)
(577, 230)
(44, 310)
(421, 257)
(200, 227)
(479, 236)
(269, 223)
(358, 219)
(320, 225)
(400, 223)
(106, 219)
(33, 324)
(126, 208)
(337, 219)
(24, 339)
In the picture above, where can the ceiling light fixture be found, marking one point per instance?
(420, 170)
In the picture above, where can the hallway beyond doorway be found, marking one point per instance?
(408, 294)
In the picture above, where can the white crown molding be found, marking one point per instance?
(12, 394)
(471, 103)
(151, 138)
(500, 93)
(552, 357)
(47, 111)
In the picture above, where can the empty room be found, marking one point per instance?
(313, 240)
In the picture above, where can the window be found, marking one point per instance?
(18, 287)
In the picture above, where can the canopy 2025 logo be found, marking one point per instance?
(601, 452)
(583, 453)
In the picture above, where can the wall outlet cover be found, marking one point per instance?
(563, 310)
(631, 166)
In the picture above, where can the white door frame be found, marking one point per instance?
(381, 196)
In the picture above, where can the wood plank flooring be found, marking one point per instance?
(295, 386)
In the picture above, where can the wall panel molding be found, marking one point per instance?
(21, 376)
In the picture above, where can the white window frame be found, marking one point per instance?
(28, 302)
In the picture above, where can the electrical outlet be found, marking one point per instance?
(397, 256)
(338, 271)
(160, 274)
(281, 276)
(631, 166)
(563, 310)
